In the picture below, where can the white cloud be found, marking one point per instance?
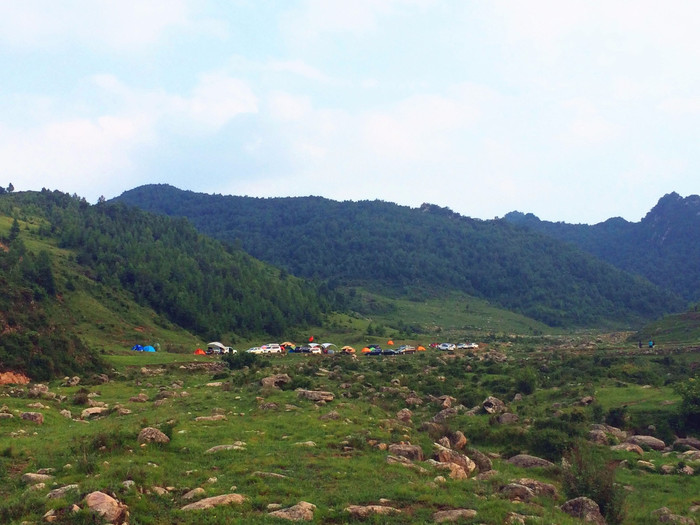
(283, 106)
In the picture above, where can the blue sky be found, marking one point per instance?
(576, 111)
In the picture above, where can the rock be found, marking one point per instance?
(71, 381)
(268, 474)
(216, 501)
(517, 397)
(412, 452)
(665, 515)
(458, 440)
(332, 415)
(129, 483)
(152, 435)
(194, 493)
(446, 455)
(37, 405)
(446, 401)
(667, 469)
(527, 461)
(647, 441)
(238, 445)
(538, 488)
(37, 390)
(94, 412)
(309, 444)
(585, 509)
(688, 442)
(34, 417)
(404, 415)
(508, 418)
(364, 511)
(275, 381)
(66, 413)
(315, 395)
(6, 415)
(585, 401)
(443, 516)
(444, 415)
(628, 447)
(102, 378)
(217, 417)
(31, 478)
(687, 470)
(599, 437)
(493, 405)
(62, 491)
(141, 398)
(413, 400)
(517, 492)
(648, 465)
(106, 506)
(445, 442)
(302, 511)
(268, 406)
(483, 462)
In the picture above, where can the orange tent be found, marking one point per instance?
(199, 351)
(421, 348)
(365, 350)
(390, 343)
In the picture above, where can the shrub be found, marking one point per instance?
(587, 474)
(617, 417)
(242, 360)
(526, 381)
(549, 443)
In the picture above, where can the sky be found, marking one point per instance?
(575, 111)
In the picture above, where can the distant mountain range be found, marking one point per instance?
(664, 247)
(429, 250)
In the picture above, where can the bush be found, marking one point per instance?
(549, 443)
(617, 417)
(242, 360)
(587, 474)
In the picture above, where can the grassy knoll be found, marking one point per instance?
(333, 454)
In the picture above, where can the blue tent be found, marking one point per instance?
(149, 348)
(137, 348)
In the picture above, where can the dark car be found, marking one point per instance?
(374, 350)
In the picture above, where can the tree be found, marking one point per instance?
(10, 188)
(14, 230)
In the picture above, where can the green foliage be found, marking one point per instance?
(549, 443)
(689, 411)
(587, 474)
(414, 251)
(242, 360)
(526, 381)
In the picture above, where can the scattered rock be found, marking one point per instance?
(688, 442)
(493, 405)
(268, 474)
(458, 440)
(443, 516)
(585, 401)
(34, 417)
(517, 492)
(152, 435)
(238, 445)
(66, 413)
(648, 465)
(665, 515)
(275, 381)
(527, 461)
(508, 418)
(94, 412)
(37, 390)
(106, 506)
(315, 395)
(216, 417)
(412, 452)
(71, 381)
(628, 447)
(449, 456)
(32, 478)
(538, 488)
(585, 509)
(62, 491)
(364, 511)
(302, 511)
(141, 398)
(309, 444)
(332, 415)
(599, 437)
(404, 415)
(215, 501)
(444, 415)
(194, 493)
(647, 441)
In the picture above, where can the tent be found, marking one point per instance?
(216, 348)
(347, 350)
(199, 351)
(148, 348)
(137, 348)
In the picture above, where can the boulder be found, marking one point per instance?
(302, 511)
(107, 507)
(37, 390)
(517, 492)
(483, 462)
(332, 415)
(152, 435)
(34, 417)
(508, 418)
(32, 478)
(364, 511)
(443, 516)
(628, 447)
(194, 493)
(404, 415)
(444, 415)
(71, 381)
(6, 415)
(457, 440)
(599, 437)
(493, 405)
(315, 395)
(527, 461)
(447, 455)
(216, 417)
(94, 412)
(538, 488)
(665, 515)
(62, 491)
(412, 452)
(215, 501)
(585, 509)
(238, 445)
(66, 413)
(275, 381)
(141, 398)
(688, 442)
(647, 441)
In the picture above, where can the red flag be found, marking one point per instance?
(311, 339)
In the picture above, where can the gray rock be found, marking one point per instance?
(275, 381)
(647, 441)
(364, 511)
(106, 506)
(302, 511)
(443, 516)
(152, 435)
(517, 492)
(412, 452)
(216, 501)
(527, 461)
(34, 417)
(585, 509)
(315, 395)
(508, 418)
(493, 405)
(32, 478)
(62, 491)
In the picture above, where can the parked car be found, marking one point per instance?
(315, 348)
(472, 345)
(406, 349)
(271, 348)
(446, 346)
(255, 350)
(374, 350)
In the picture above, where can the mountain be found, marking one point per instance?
(74, 274)
(416, 252)
(662, 247)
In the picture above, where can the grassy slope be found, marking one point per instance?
(104, 453)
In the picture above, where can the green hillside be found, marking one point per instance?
(79, 279)
(420, 253)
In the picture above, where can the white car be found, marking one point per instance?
(472, 345)
(255, 350)
(446, 346)
(271, 348)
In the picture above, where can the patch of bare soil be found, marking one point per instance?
(13, 378)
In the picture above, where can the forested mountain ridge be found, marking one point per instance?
(418, 251)
(663, 247)
(55, 246)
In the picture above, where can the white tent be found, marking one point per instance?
(216, 348)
